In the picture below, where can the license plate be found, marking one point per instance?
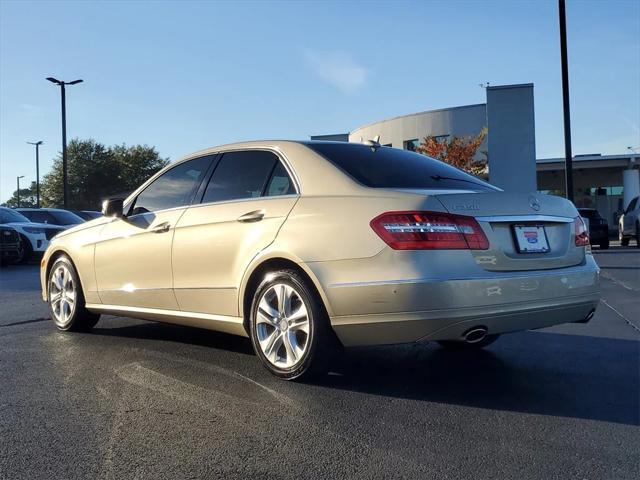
(531, 239)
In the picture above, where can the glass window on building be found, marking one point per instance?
(441, 138)
(411, 145)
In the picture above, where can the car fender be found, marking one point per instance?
(271, 253)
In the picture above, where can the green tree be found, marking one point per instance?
(97, 172)
(27, 197)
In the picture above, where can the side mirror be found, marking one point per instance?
(113, 207)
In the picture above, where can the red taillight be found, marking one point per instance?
(429, 231)
(582, 234)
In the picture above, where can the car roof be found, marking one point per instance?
(294, 152)
(47, 209)
(253, 144)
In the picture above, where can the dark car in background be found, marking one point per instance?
(598, 227)
(87, 215)
(51, 216)
(10, 245)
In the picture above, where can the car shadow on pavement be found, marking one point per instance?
(530, 372)
(177, 333)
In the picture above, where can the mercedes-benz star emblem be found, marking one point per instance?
(534, 203)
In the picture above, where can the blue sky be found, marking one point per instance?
(186, 75)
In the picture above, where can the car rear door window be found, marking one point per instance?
(280, 182)
(240, 175)
(174, 188)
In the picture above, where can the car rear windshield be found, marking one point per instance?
(386, 167)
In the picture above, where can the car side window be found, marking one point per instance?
(280, 182)
(240, 175)
(174, 188)
(632, 205)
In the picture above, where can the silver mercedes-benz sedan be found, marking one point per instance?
(309, 246)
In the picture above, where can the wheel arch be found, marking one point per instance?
(255, 273)
(50, 260)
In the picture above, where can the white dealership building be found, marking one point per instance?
(605, 182)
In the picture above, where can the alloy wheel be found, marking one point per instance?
(282, 326)
(62, 295)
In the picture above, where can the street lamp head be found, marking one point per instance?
(54, 80)
(21, 176)
(39, 142)
(75, 82)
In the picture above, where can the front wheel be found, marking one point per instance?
(604, 244)
(66, 299)
(460, 345)
(289, 327)
(26, 251)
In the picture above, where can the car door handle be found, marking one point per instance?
(254, 216)
(162, 228)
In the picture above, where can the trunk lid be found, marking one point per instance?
(501, 215)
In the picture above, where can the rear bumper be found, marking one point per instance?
(599, 234)
(373, 313)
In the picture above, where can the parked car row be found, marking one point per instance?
(25, 231)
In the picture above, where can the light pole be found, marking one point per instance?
(37, 144)
(568, 156)
(18, 192)
(65, 185)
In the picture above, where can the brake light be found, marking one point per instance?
(581, 231)
(429, 231)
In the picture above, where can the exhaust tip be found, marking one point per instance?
(475, 334)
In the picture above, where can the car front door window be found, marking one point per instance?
(174, 188)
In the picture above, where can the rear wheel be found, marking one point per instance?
(638, 235)
(460, 345)
(624, 241)
(604, 244)
(289, 327)
(66, 299)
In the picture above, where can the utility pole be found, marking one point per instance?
(568, 156)
(65, 183)
(37, 144)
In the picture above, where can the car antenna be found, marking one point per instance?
(374, 143)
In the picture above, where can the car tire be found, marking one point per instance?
(27, 251)
(66, 298)
(460, 345)
(624, 241)
(289, 327)
(604, 244)
(638, 235)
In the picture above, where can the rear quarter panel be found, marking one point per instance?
(330, 228)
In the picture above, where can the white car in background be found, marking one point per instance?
(35, 236)
(629, 226)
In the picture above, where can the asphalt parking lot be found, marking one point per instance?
(135, 399)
